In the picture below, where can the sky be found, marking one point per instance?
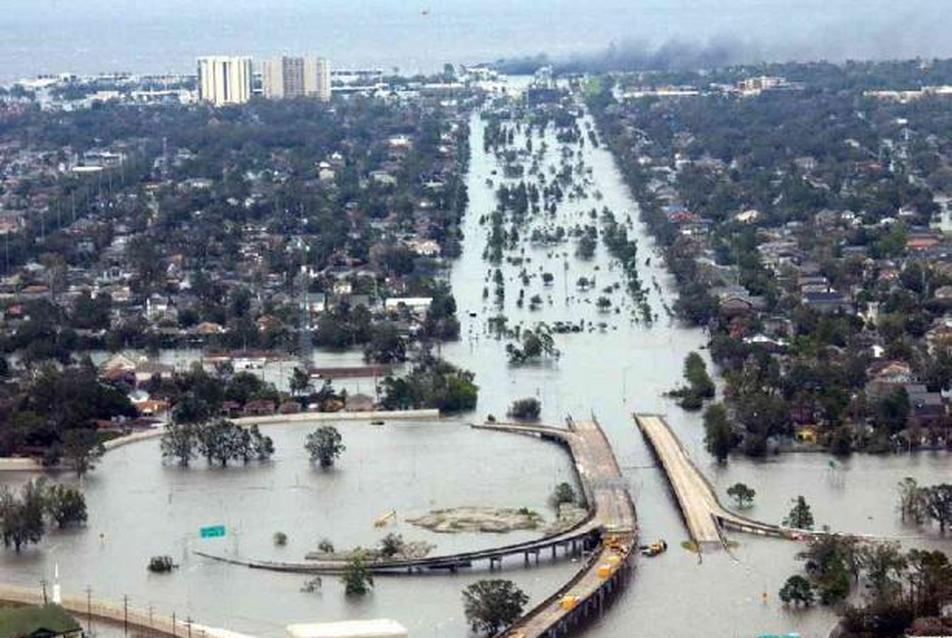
(166, 35)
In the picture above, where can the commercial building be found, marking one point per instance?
(283, 78)
(317, 78)
(294, 77)
(224, 80)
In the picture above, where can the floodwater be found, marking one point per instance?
(141, 507)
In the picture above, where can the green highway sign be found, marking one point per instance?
(213, 531)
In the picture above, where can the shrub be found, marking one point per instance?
(527, 409)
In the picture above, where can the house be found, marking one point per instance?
(207, 328)
(268, 322)
(806, 434)
(231, 409)
(119, 361)
(424, 247)
(414, 304)
(47, 621)
(827, 302)
(145, 370)
(735, 306)
(289, 407)
(151, 407)
(260, 407)
(749, 216)
(939, 336)
(343, 287)
(926, 409)
(359, 403)
(922, 241)
(887, 376)
(943, 295)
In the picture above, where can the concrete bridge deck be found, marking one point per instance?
(703, 513)
(614, 514)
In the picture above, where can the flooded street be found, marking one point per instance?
(139, 507)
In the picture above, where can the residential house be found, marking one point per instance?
(887, 376)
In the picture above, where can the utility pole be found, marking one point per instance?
(89, 610)
(43, 584)
(125, 615)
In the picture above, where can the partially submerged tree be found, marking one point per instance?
(527, 409)
(178, 443)
(800, 516)
(325, 445)
(797, 590)
(357, 578)
(21, 514)
(391, 545)
(491, 605)
(742, 495)
(82, 449)
(719, 437)
(564, 493)
(66, 505)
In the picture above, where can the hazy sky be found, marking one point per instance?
(94, 35)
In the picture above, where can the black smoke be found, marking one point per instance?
(673, 55)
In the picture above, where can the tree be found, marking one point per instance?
(391, 545)
(261, 446)
(930, 580)
(884, 564)
(938, 501)
(535, 344)
(221, 441)
(66, 505)
(178, 442)
(386, 345)
(325, 445)
(695, 373)
(832, 561)
(432, 383)
(490, 605)
(357, 578)
(82, 449)
(912, 501)
(892, 411)
(527, 409)
(797, 590)
(564, 493)
(743, 495)
(299, 381)
(719, 437)
(800, 516)
(21, 514)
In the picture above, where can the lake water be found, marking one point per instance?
(141, 507)
(92, 36)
